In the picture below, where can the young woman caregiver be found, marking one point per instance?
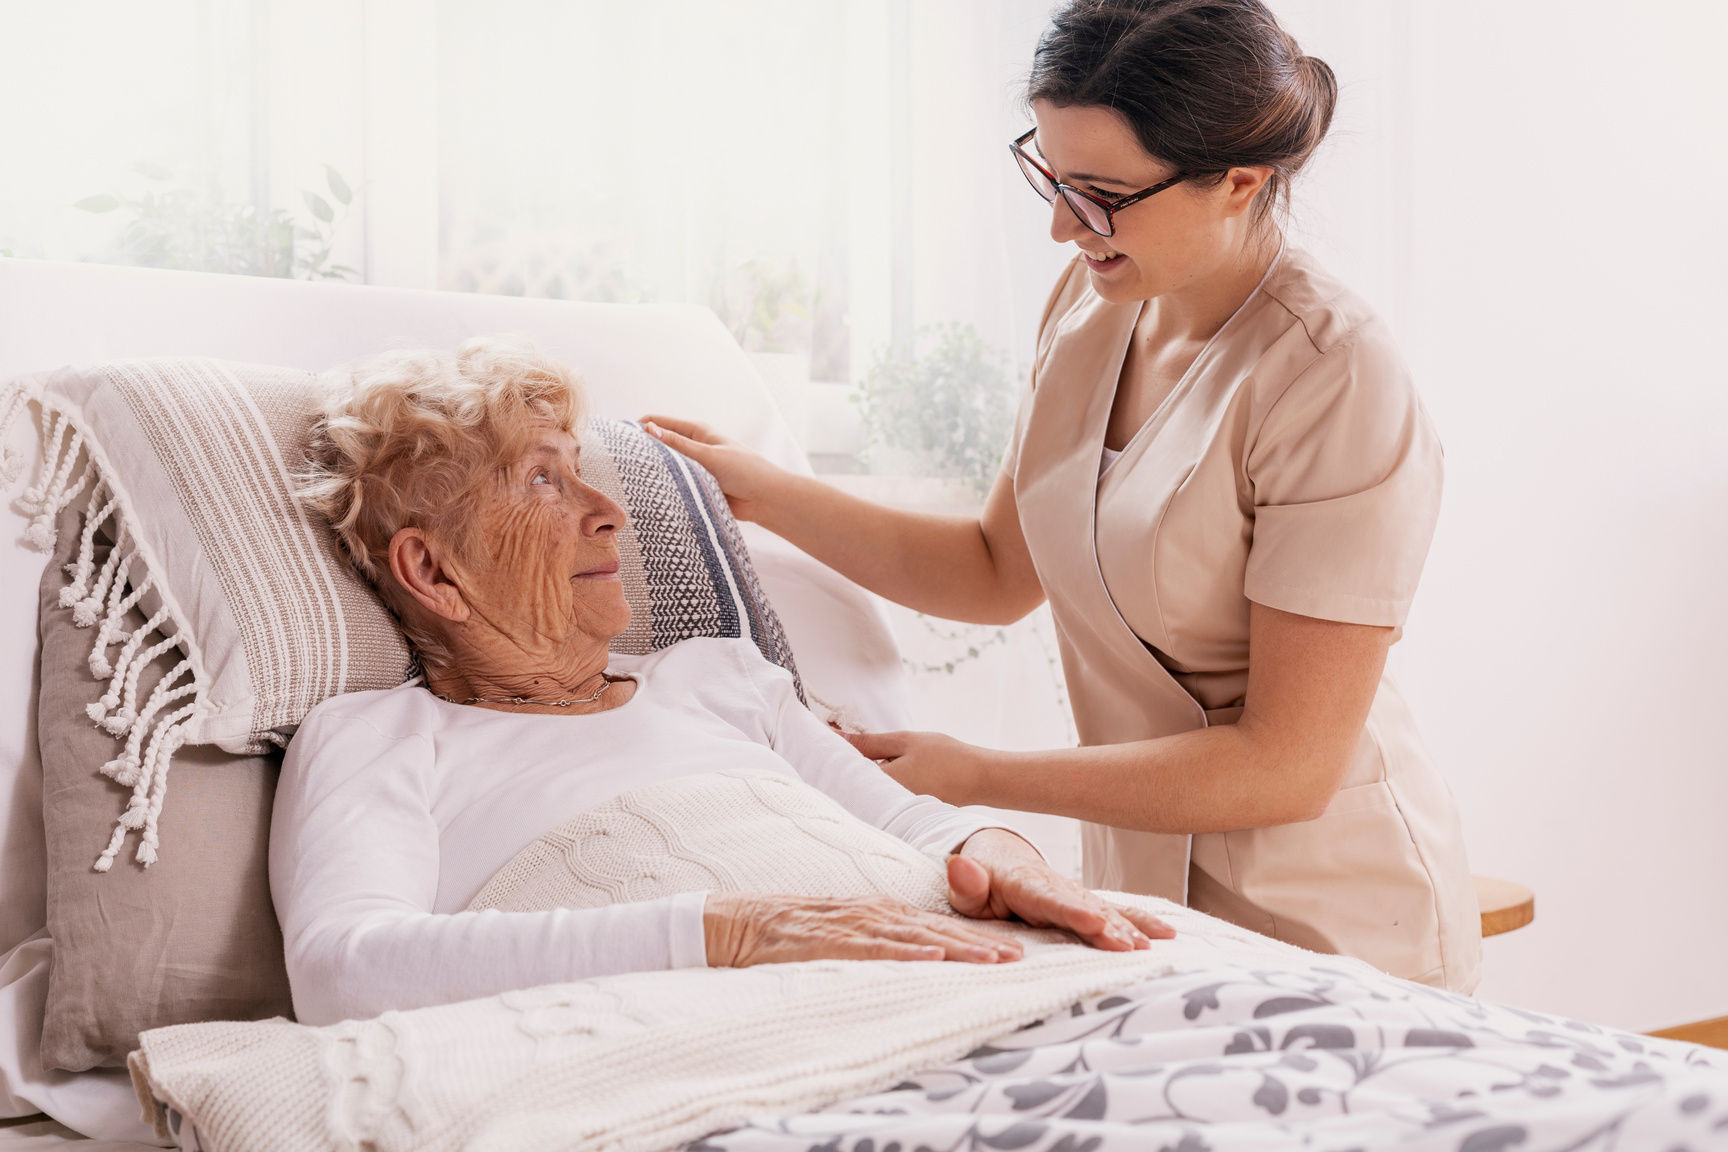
(1224, 483)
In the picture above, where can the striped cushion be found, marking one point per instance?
(682, 559)
(250, 605)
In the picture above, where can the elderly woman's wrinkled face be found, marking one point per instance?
(545, 560)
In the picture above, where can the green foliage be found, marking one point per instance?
(951, 408)
(761, 304)
(201, 231)
(338, 186)
(320, 206)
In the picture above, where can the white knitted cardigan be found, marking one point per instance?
(651, 1060)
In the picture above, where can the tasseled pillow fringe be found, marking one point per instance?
(100, 598)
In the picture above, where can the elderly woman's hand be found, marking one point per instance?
(997, 875)
(745, 928)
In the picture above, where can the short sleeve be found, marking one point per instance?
(826, 761)
(1346, 472)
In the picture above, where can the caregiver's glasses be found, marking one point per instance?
(1095, 212)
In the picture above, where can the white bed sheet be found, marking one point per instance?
(100, 1103)
(45, 1135)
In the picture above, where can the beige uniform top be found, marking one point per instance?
(1293, 465)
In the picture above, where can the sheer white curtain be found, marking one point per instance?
(831, 177)
(182, 127)
(845, 158)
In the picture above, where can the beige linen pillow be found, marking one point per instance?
(252, 614)
(193, 938)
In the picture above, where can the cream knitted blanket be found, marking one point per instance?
(736, 831)
(650, 1060)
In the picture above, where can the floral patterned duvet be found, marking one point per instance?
(1249, 1058)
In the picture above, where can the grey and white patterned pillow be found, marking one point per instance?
(685, 569)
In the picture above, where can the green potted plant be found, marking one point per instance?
(939, 406)
(199, 230)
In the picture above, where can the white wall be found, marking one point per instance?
(1533, 194)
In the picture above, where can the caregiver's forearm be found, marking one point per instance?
(942, 565)
(1209, 780)
(1311, 684)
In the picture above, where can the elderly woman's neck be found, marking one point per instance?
(492, 672)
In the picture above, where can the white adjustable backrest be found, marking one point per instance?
(634, 358)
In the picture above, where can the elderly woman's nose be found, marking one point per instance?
(602, 514)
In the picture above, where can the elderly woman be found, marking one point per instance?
(455, 484)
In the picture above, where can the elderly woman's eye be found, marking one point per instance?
(541, 478)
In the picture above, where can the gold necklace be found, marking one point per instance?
(598, 692)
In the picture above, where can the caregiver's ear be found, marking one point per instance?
(1239, 188)
(417, 563)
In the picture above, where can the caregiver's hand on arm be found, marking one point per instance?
(971, 568)
(746, 928)
(998, 876)
(1310, 685)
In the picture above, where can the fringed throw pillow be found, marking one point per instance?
(187, 466)
(192, 938)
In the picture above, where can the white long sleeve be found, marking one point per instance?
(394, 809)
(825, 760)
(354, 869)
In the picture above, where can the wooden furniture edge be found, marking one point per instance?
(1505, 905)
(1711, 1033)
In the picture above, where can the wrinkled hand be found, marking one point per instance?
(928, 763)
(746, 477)
(997, 875)
(745, 928)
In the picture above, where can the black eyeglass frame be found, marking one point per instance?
(1068, 191)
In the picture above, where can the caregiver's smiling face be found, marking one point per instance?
(1161, 244)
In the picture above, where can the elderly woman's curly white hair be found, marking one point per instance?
(408, 439)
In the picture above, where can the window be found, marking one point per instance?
(829, 177)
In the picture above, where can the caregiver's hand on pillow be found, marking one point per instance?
(745, 928)
(998, 876)
(746, 476)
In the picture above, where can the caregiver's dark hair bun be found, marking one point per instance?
(1207, 85)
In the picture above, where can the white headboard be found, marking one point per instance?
(633, 356)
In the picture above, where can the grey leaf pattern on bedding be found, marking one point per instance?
(1237, 1059)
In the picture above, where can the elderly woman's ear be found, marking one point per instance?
(418, 566)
